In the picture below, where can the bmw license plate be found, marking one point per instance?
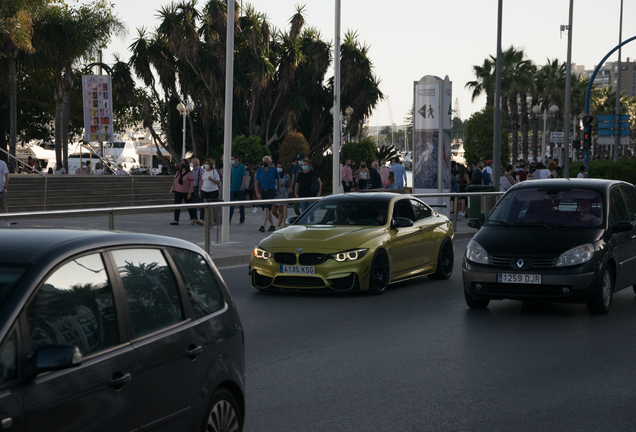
(519, 278)
(297, 269)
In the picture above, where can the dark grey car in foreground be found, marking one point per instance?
(111, 332)
(560, 240)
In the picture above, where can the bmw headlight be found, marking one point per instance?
(476, 253)
(351, 255)
(576, 256)
(262, 253)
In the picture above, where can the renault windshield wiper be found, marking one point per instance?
(550, 225)
(500, 222)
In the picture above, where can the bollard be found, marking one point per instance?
(455, 213)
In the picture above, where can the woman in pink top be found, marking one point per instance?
(183, 185)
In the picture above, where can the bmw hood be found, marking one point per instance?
(324, 238)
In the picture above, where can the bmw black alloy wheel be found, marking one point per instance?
(448, 258)
(379, 277)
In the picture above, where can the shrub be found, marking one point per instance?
(293, 144)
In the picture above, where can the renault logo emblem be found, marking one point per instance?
(299, 250)
(520, 263)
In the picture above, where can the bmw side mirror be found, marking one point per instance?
(400, 222)
(474, 223)
(52, 357)
(622, 226)
(290, 220)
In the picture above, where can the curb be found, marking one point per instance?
(237, 260)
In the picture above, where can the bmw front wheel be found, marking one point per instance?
(379, 274)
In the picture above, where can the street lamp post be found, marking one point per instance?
(184, 110)
(337, 121)
(537, 110)
(337, 130)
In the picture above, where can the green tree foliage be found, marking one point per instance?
(250, 149)
(458, 128)
(387, 152)
(624, 170)
(479, 137)
(364, 150)
(293, 144)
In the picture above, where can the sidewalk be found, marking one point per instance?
(238, 251)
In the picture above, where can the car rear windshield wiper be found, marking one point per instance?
(500, 222)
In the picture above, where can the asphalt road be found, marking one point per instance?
(417, 359)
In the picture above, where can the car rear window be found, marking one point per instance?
(9, 277)
(546, 207)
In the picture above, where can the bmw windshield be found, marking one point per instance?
(358, 212)
(548, 207)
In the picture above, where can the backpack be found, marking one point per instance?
(486, 178)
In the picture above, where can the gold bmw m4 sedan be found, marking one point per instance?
(355, 241)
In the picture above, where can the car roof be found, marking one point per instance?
(25, 245)
(597, 184)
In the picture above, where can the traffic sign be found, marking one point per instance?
(610, 140)
(557, 137)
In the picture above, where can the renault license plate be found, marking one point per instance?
(519, 278)
(297, 269)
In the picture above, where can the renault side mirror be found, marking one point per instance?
(475, 223)
(622, 226)
(52, 357)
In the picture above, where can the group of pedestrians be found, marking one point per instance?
(195, 185)
(379, 176)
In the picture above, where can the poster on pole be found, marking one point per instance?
(426, 119)
(98, 107)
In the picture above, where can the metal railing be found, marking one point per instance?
(110, 165)
(46, 179)
(111, 212)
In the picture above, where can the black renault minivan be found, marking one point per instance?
(557, 239)
(103, 331)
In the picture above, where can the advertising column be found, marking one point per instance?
(427, 160)
(98, 108)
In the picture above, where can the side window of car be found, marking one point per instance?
(422, 211)
(629, 192)
(151, 289)
(9, 360)
(617, 210)
(200, 282)
(75, 306)
(403, 209)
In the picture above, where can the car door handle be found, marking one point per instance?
(118, 380)
(193, 351)
(7, 423)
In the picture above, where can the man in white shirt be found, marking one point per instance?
(4, 181)
(581, 172)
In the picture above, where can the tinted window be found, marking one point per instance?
(402, 208)
(153, 297)
(617, 209)
(9, 276)
(8, 360)
(629, 193)
(345, 212)
(75, 306)
(548, 207)
(200, 282)
(422, 211)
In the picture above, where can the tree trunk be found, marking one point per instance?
(59, 96)
(535, 136)
(514, 123)
(12, 52)
(67, 87)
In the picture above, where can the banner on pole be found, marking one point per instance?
(426, 119)
(98, 107)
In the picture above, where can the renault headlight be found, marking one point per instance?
(262, 253)
(476, 253)
(351, 255)
(576, 256)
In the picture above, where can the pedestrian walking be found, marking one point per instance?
(197, 172)
(374, 176)
(363, 176)
(487, 173)
(476, 177)
(4, 182)
(463, 181)
(208, 188)
(296, 169)
(266, 187)
(59, 169)
(347, 176)
(182, 187)
(400, 173)
(552, 168)
(581, 173)
(237, 187)
(283, 192)
(308, 184)
(384, 171)
(390, 182)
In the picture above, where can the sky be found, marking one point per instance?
(410, 39)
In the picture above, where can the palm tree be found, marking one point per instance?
(16, 19)
(62, 37)
(484, 82)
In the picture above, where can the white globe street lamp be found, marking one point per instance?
(184, 110)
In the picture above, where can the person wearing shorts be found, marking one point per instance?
(4, 181)
(266, 185)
